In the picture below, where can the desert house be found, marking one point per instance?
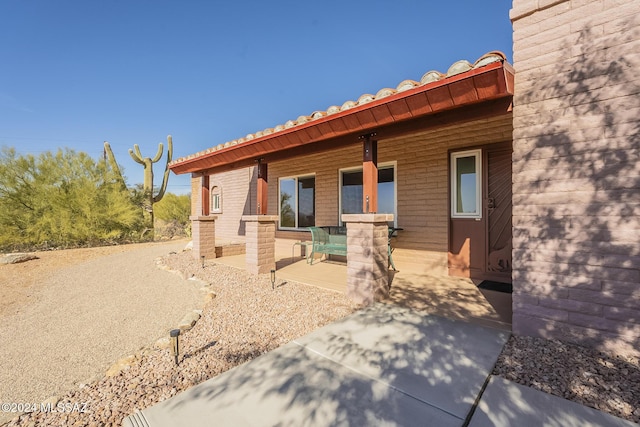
(526, 174)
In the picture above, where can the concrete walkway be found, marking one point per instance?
(383, 365)
(506, 404)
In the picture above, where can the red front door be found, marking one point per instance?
(480, 213)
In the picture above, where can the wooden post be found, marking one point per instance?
(369, 174)
(262, 188)
(206, 203)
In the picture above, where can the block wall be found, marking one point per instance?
(238, 198)
(422, 186)
(238, 189)
(260, 243)
(203, 234)
(576, 171)
(367, 266)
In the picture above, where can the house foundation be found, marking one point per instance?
(260, 241)
(367, 256)
(203, 233)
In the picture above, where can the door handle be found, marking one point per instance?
(491, 203)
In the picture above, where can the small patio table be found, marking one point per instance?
(306, 245)
(339, 229)
(392, 231)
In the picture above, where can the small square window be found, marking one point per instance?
(466, 184)
(216, 199)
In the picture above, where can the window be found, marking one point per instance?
(297, 202)
(216, 199)
(466, 190)
(351, 190)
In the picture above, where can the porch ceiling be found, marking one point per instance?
(438, 99)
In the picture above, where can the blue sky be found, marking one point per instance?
(77, 73)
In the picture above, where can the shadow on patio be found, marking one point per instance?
(450, 297)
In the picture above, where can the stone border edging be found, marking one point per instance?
(188, 321)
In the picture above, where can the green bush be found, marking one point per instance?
(172, 216)
(64, 199)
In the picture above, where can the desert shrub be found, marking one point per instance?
(63, 199)
(171, 216)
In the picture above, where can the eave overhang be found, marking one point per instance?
(490, 82)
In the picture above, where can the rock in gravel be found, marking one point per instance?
(584, 375)
(163, 342)
(189, 320)
(16, 258)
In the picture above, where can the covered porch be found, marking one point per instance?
(383, 160)
(446, 296)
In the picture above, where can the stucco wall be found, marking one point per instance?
(576, 191)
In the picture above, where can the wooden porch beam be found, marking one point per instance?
(369, 173)
(205, 193)
(262, 188)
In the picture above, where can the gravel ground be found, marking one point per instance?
(81, 317)
(583, 375)
(247, 318)
(244, 320)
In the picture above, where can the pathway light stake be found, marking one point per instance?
(273, 279)
(202, 258)
(175, 343)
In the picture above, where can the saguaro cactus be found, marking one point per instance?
(147, 164)
(111, 159)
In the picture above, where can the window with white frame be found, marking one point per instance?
(466, 184)
(351, 190)
(297, 207)
(216, 199)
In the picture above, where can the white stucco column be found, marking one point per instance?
(367, 256)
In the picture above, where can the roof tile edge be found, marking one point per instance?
(457, 67)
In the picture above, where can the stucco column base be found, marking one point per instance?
(203, 234)
(367, 257)
(260, 241)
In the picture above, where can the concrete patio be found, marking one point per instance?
(451, 297)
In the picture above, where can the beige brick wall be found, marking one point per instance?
(423, 187)
(576, 192)
(203, 233)
(260, 243)
(367, 267)
(238, 189)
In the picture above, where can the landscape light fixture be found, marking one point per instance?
(273, 279)
(202, 258)
(175, 343)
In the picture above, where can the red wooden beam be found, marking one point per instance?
(205, 196)
(262, 188)
(369, 174)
